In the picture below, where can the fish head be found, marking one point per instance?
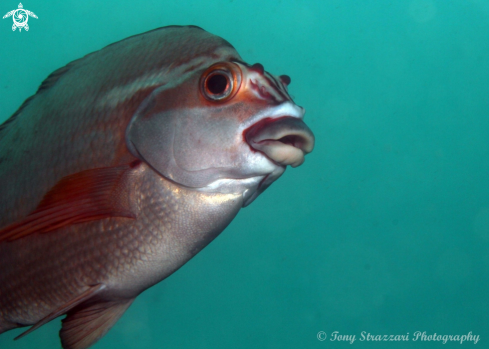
(227, 127)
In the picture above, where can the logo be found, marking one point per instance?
(20, 17)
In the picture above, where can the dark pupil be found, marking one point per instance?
(217, 84)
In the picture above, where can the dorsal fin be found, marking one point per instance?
(56, 75)
(14, 115)
(47, 83)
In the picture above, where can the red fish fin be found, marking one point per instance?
(83, 327)
(65, 308)
(84, 196)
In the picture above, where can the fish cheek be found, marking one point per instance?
(190, 143)
(209, 142)
(177, 144)
(205, 140)
(149, 137)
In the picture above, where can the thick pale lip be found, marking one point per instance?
(284, 140)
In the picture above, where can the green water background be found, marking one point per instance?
(384, 229)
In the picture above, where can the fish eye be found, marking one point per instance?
(220, 81)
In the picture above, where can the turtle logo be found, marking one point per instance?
(20, 17)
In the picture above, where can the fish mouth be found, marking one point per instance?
(285, 140)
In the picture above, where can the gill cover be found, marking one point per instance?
(190, 133)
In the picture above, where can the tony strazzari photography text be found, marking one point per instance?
(416, 336)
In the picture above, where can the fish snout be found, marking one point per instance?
(285, 140)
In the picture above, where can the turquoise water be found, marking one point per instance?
(384, 229)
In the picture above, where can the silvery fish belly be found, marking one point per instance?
(124, 165)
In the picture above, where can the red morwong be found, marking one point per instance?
(124, 165)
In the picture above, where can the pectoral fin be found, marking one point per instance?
(84, 196)
(83, 327)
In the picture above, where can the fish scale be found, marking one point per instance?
(82, 266)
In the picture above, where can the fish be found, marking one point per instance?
(124, 165)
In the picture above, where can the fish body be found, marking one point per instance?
(124, 165)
